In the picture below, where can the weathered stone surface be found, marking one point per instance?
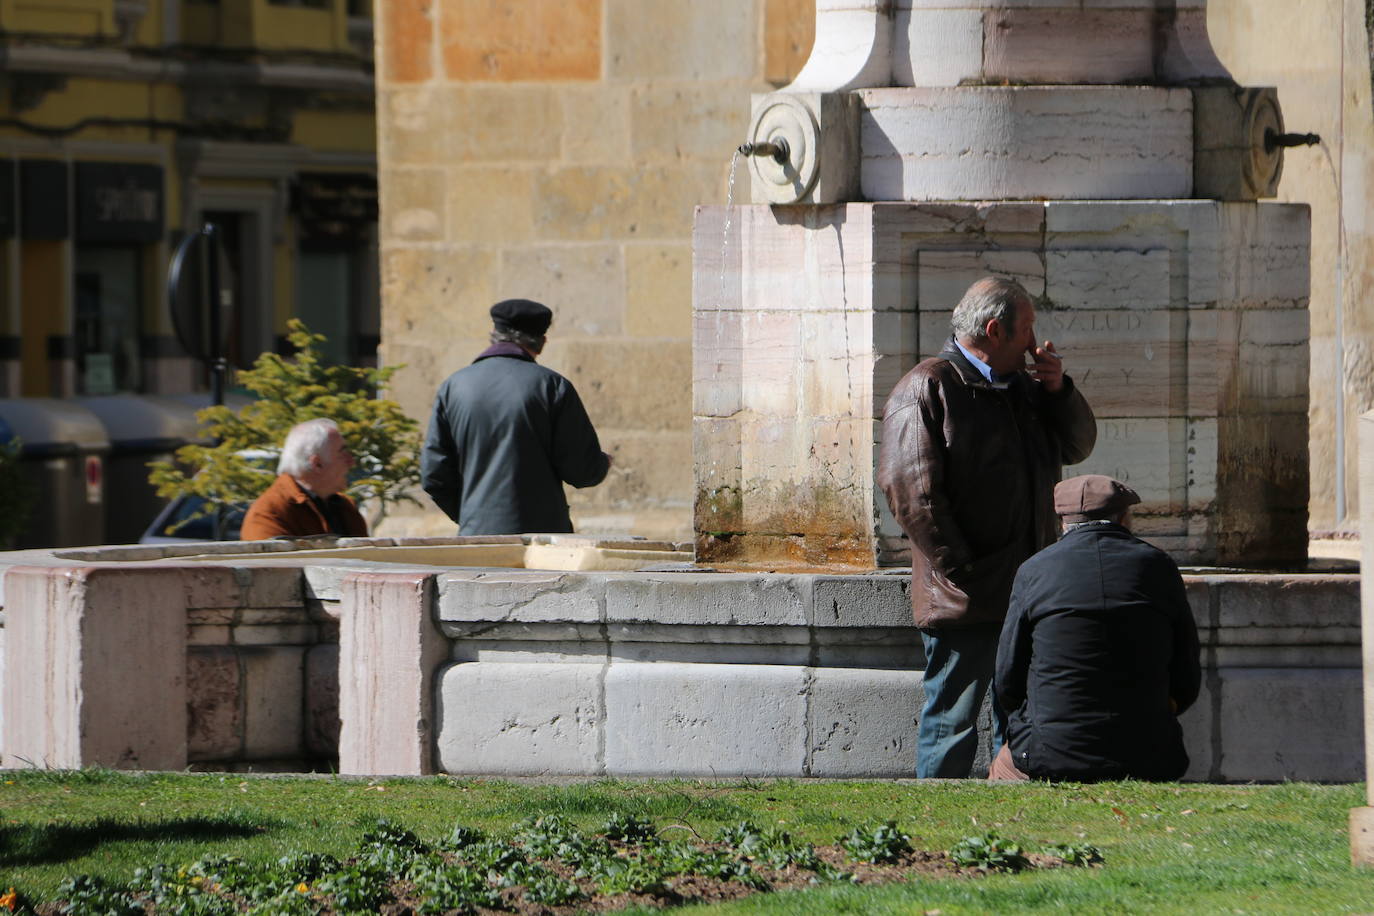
(861, 601)
(302, 634)
(935, 47)
(1261, 711)
(1362, 836)
(649, 467)
(1365, 434)
(658, 291)
(425, 274)
(214, 707)
(1014, 143)
(520, 596)
(862, 723)
(1246, 602)
(709, 598)
(1178, 373)
(273, 701)
(407, 40)
(209, 635)
(411, 209)
(599, 203)
(520, 719)
(500, 123)
(705, 720)
(535, 40)
(410, 115)
(322, 701)
(389, 651)
(592, 274)
(788, 32)
(698, 42)
(487, 205)
(596, 124)
(636, 385)
(675, 121)
(95, 668)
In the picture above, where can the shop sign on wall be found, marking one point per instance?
(118, 202)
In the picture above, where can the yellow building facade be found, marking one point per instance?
(125, 125)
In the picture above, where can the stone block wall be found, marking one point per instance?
(1320, 63)
(555, 149)
(1182, 322)
(246, 662)
(690, 674)
(263, 687)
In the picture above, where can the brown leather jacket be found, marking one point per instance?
(285, 510)
(969, 472)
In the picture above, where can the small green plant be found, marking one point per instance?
(85, 895)
(988, 852)
(462, 837)
(492, 855)
(626, 828)
(1076, 853)
(884, 843)
(306, 866)
(550, 890)
(454, 887)
(356, 888)
(630, 876)
(540, 885)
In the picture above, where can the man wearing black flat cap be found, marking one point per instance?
(507, 433)
(1099, 652)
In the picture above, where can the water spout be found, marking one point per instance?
(778, 150)
(1273, 140)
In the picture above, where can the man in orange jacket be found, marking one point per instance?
(307, 497)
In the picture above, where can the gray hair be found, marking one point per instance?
(305, 441)
(528, 341)
(988, 299)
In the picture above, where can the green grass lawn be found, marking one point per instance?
(1187, 849)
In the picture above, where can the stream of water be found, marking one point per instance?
(725, 234)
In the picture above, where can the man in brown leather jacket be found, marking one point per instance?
(307, 497)
(974, 441)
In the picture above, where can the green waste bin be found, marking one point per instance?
(63, 455)
(141, 428)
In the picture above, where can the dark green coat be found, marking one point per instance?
(505, 435)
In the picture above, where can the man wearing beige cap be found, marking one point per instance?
(1099, 652)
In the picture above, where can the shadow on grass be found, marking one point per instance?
(42, 844)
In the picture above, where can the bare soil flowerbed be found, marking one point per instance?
(546, 867)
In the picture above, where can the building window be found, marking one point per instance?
(109, 318)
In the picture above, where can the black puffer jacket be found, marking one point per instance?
(1098, 640)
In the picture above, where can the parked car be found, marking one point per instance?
(171, 525)
(174, 525)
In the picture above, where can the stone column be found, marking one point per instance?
(1362, 819)
(95, 669)
(1096, 152)
(389, 651)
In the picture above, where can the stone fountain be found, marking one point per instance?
(1097, 152)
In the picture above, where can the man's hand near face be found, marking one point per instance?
(1046, 367)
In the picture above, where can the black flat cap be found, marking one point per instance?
(1090, 496)
(522, 315)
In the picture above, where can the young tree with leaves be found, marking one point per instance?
(384, 441)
